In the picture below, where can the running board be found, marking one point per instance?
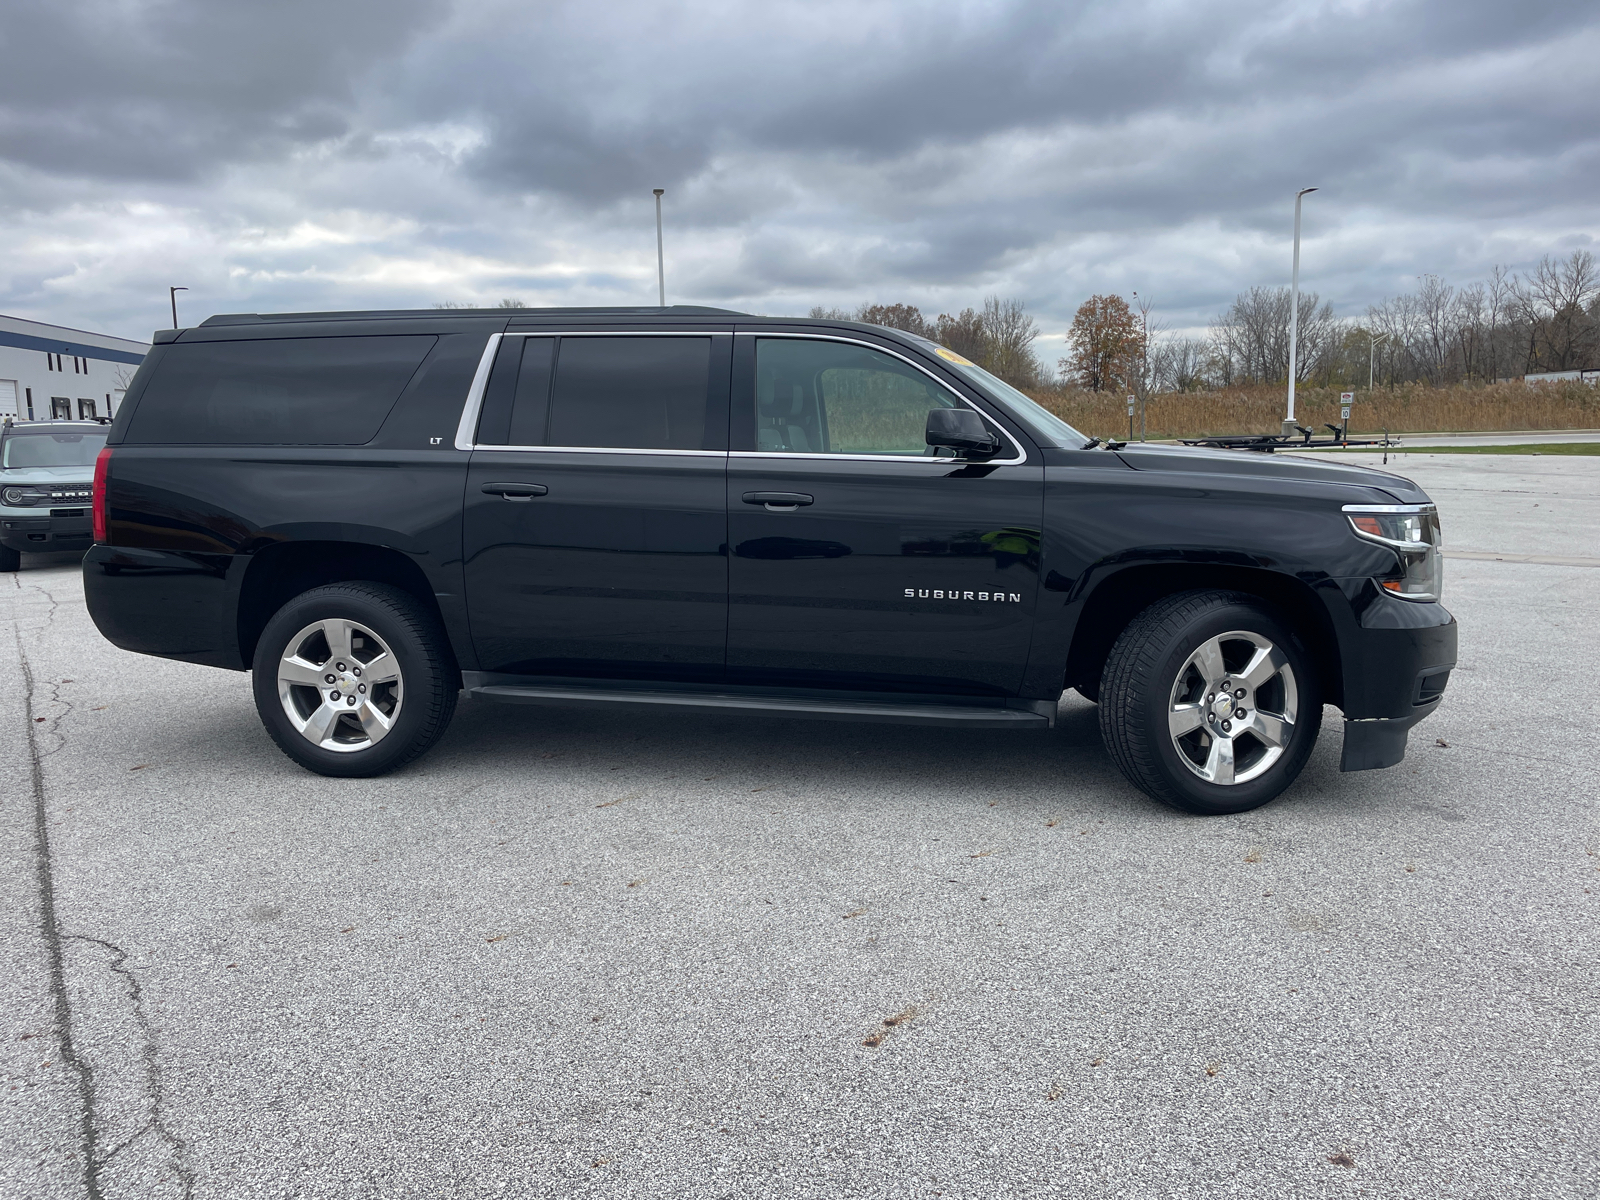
(1039, 714)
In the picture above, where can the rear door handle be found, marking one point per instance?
(515, 491)
(779, 501)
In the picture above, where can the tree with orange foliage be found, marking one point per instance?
(1107, 344)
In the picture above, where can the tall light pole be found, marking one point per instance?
(1372, 355)
(1294, 311)
(172, 295)
(661, 262)
(1144, 364)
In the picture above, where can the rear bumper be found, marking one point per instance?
(1397, 665)
(172, 604)
(42, 533)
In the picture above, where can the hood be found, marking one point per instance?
(1276, 465)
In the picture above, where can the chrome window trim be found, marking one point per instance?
(468, 425)
(604, 450)
(900, 458)
(1391, 508)
(1022, 455)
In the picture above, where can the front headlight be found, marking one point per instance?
(24, 497)
(1412, 532)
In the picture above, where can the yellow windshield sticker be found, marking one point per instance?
(952, 356)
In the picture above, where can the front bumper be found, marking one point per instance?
(41, 531)
(1397, 663)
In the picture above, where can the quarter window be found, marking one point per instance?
(330, 391)
(818, 397)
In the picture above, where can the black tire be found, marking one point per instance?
(1141, 689)
(424, 693)
(10, 560)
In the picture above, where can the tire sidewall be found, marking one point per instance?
(1217, 799)
(361, 606)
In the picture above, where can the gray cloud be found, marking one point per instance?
(348, 154)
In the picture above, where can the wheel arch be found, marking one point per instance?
(278, 573)
(1117, 599)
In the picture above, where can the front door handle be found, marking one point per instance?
(779, 501)
(515, 491)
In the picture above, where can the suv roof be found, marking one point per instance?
(392, 313)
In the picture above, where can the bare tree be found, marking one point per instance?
(1010, 333)
(1499, 298)
(1558, 296)
(1253, 335)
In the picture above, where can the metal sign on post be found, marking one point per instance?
(1345, 400)
(1130, 418)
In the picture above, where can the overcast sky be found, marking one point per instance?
(328, 154)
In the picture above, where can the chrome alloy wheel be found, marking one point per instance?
(1233, 707)
(339, 685)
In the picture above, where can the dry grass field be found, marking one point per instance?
(1409, 409)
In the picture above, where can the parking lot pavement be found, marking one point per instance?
(671, 955)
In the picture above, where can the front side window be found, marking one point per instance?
(820, 397)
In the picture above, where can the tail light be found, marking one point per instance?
(102, 472)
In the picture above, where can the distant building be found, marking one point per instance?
(48, 372)
(1592, 378)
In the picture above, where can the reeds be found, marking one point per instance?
(1413, 408)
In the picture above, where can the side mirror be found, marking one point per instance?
(963, 431)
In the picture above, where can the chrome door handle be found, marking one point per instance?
(779, 501)
(515, 491)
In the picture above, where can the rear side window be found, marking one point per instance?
(625, 392)
(332, 391)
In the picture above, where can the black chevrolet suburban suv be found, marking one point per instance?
(689, 507)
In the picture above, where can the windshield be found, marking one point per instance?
(1046, 427)
(42, 449)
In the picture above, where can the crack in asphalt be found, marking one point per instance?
(50, 931)
(89, 1125)
(152, 1069)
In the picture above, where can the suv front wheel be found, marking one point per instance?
(1209, 702)
(354, 679)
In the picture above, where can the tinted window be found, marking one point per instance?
(286, 391)
(815, 397)
(52, 449)
(645, 393)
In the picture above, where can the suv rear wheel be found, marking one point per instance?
(1209, 702)
(354, 679)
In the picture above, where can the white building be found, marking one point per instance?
(50, 372)
(1592, 378)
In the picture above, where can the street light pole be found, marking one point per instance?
(1144, 365)
(1294, 312)
(661, 262)
(172, 295)
(1372, 355)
